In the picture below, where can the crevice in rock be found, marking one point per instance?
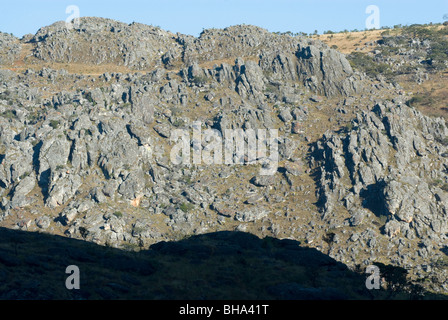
(372, 198)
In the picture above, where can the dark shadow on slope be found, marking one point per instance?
(44, 177)
(316, 174)
(372, 198)
(445, 250)
(222, 265)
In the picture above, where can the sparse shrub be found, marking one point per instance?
(199, 80)
(23, 176)
(187, 179)
(138, 230)
(435, 183)
(348, 127)
(178, 122)
(118, 214)
(33, 118)
(421, 100)
(271, 88)
(383, 220)
(9, 114)
(395, 280)
(176, 111)
(83, 231)
(125, 105)
(54, 124)
(367, 64)
(186, 206)
(130, 246)
(438, 54)
(329, 237)
(90, 98)
(443, 141)
(415, 100)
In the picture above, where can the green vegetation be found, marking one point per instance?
(33, 117)
(186, 206)
(187, 179)
(176, 111)
(329, 237)
(118, 214)
(418, 100)
(9, 114)
(436, 182)
(437, 53)
(23, 176)
(290, 33)
(423, 32)
(5, 95)
(271, 88)
(131, 247)
(443, 141)
(89, 98)
(124, 105)
(200, 80)
(54, 124)
(367, 64)
(178, 122)
(347, 128)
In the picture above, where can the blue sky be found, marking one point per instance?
(192, 16)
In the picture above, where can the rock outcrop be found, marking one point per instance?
(356, 174)
(388, 164)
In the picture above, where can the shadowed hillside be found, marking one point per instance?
(223, 265)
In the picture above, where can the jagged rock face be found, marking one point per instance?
(104, 41)
(325, 70)
(235, 41)
(16, 162)
(100, 41)
(10, 48)
(390, 163)
(88, 156)
(386, 174)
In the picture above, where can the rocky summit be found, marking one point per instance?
(87, 117)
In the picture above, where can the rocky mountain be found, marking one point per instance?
(86, 120)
